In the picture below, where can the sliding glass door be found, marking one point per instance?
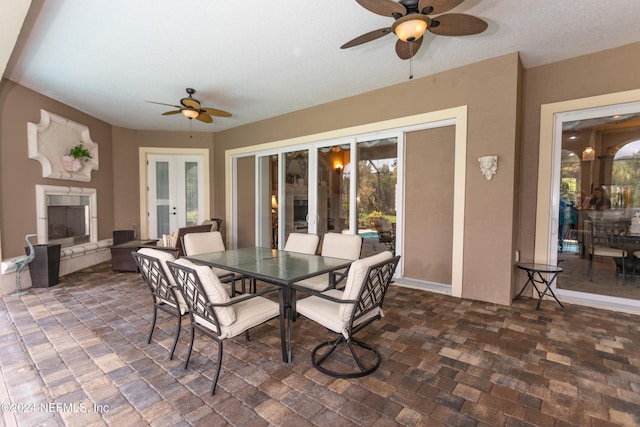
(323, 188)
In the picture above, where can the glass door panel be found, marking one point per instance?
(296, 206)
(165, 219)
(599, 186)
(333, 189)
(268, 201)
(175, 194)
(192, 191)
(376, 195)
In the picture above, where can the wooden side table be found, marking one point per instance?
(121, 259)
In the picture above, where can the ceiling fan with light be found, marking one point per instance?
(192, 109)
(413, 18)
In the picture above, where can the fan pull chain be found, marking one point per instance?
(410, 61)
(411, 68)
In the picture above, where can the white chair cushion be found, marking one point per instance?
(214, 289)
(336, 316)
(302, 243)
(163, 257)
(316, 283)
(200, 243)
(346, 246)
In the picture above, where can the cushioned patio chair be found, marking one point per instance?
(201, 243)
(213, 312)
(336, 245)
(349, 311)
(166, 295)
(303, 243)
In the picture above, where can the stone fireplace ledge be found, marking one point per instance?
(72, 259)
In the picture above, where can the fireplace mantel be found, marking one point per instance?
(52, 138)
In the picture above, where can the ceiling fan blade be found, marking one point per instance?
(406, 50)
(215, 112)
(383, 7)
(372, 35)
(168, 113)
(437, 7)
(457, 24)
(162, 103)
(190, 103)
(204, 117)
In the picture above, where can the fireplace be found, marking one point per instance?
(66, 215)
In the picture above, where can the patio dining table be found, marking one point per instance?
(281, 268)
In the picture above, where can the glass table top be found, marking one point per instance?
(281, 267)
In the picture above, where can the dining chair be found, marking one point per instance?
(605, 242)
(336, 245)
(302, 243)
(346, 312)
(201, 243)
(166, 296)
(213, 312)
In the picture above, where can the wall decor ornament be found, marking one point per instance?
(63, 147)
(488, 166)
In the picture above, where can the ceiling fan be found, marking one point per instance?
(192, 109)
(412, 20)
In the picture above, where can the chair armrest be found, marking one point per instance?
(244, 297)
(323, 295)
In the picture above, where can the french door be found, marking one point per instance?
(175, 193)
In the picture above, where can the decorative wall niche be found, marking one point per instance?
(50, 142)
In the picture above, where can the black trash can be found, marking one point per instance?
(45, 267)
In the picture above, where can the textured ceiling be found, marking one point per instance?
(260, 59)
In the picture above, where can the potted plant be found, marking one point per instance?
(73, 161)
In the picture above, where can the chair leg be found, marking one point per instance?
(153, 323)
(362, 369)
(193, 333)
(219, 364)
(175, 341)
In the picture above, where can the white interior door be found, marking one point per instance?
(175, 194)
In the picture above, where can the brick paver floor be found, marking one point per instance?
(76, 354)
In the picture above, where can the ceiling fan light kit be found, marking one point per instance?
(411, 27)
(189, 113)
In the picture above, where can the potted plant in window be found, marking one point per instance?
(73, 161)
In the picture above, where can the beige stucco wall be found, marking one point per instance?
(490, 89)
(609, 71)
(429, 165)
(19, 174)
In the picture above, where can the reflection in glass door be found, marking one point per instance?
(333, 188)
(318, 190)
(296, 193)
(599, 190)
(376, 196)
